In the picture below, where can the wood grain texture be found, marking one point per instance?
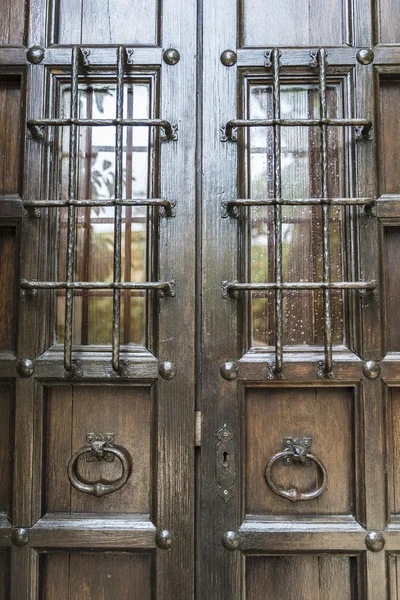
(325, 414)
(288, 23)
(6, 439)
(294, 577)
(389, 21)
(393, 435)
(392, 287)
(10, 134)
(12, 22)
(105, 576)
(4, 576)
(389, 127)
(106, 21)
(74, 411)
(8, 279)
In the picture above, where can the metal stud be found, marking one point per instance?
(25, 367)
(229, 370)
(375, 541)
(230, 540)
(171, 56)
(35, 55)
(228, 58)
(371, 369)
(19, 537)
(167, 370)
(365, 56)
(164, 539)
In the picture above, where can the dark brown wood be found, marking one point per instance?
(8, 280)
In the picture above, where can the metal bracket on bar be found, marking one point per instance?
(299, 447)
(231, 208)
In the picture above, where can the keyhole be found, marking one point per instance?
(225, 459)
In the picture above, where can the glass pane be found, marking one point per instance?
(301, 225)
(92, 323)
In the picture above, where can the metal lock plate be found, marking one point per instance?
(100, 438)
(299, 447)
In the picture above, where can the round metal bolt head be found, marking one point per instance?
(171, 56)
(365, 56)
(164, 539)
(229, 370)
(167, 370)
(230, 540)
(228, 58)
(371, 369)
(35, 55)
(25, 367)
(19, 537)
(375, 541)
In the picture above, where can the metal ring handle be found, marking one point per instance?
(98, 489)
(294, 495)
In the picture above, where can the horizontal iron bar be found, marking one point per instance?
(163, 286)
(366, 124)
(297, 202)
(35, 125)
(229, 287)
(167, 204)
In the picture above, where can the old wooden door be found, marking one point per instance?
(199, 214)
(300, 440)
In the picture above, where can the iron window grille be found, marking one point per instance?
(363, 129)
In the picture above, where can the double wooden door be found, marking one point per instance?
(199, 332)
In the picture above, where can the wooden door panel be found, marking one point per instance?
(72, 413)
(11, 101)
(391, 237)
(296, 24)
(6, 442)
(8, 284)
(83, 22)
(293, 577)
(389, 28)
(85, 576)
(389, 123)
(13, 23)
(327, 416)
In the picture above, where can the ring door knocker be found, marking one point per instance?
(99, 447)
(296, 452)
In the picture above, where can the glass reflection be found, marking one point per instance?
(301, 225)
(92, 322)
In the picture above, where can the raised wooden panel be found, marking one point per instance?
(294, 577)
(389, 21)
(393, 424)
(325, 414)
(105, 576)
(8, 275)
(288, 23)
(394, 577)
(392, 287)
(73, 411)
(4, 575)
(6, 446)
(106, 21)
(389, 132)
(12, 22)
(10, 134)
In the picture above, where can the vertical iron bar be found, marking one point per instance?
(325, 214)
(277, 214)
(118, 209)
(72, 180)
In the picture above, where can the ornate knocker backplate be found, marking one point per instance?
(297, 452)
(99, 447)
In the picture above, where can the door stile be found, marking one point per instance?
(220, 569)
(175, 406)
